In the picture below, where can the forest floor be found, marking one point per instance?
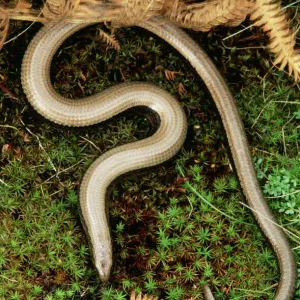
(169, 228)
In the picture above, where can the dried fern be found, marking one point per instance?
(203, 16)
(198, 16)
(135, 11)
(109, 39)
(56, 10)
(4, 25)
(79, 11)
(92, 9)
(268, 15)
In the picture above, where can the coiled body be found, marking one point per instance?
(159, 147)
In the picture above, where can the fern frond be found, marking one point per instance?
(268, 15)
(4, 25)
(133, 296)
(56, 10)
(206, 15)
(89, 9)
(109, 39)
(135, 11)
(80, 11)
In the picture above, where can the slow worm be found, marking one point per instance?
(151, 151)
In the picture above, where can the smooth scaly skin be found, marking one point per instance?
(207, 293)
(94, 109)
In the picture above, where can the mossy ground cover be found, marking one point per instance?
(168, 239)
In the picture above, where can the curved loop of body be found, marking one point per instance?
(153, 150)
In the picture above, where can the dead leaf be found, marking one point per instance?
(170, 75)
(26, 136)
(181, 89)
(60, 277)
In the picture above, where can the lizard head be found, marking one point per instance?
(103, 261)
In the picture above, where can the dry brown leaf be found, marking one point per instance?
(4, 25)
(25, 136)
(269, 16)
